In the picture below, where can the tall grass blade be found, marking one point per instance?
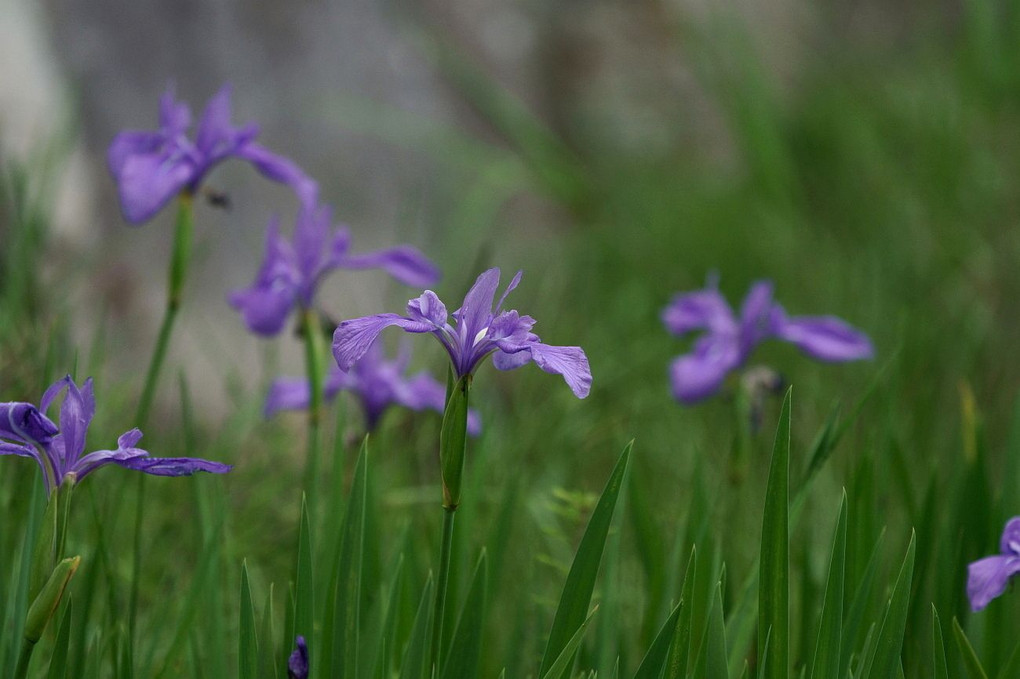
(970, 659)
(889, 646)
(825, 664)
(415, 662)
(938, 647)
(248, 644)
(654, 662)
(573, 606)
(562, 662)
(680, 647)
(58, 661)
(774, 573)
(304, 588)
(466, 644)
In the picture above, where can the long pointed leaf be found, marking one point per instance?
(889, 646)
(938, 647)
(680, 647)
(248, 645)
(562, 662)
(466, 645)
(774, 573)
(830, 628)
(580, 584)
(415, 662)
(970, 659)
(654, 662)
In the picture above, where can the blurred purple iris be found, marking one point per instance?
(376, 382)
(297, 663)
(291, 271)
(481, 330)
(153, 167)
(26, 431)
(729, 340)
(987, 578)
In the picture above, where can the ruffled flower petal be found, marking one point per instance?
(353, 338)
(987, 578)
(699, 374)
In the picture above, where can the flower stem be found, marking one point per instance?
(439, 610)
(179, 260)
(312, 331)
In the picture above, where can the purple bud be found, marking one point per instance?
(297, 664)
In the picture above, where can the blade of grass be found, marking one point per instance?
(466, 644)
(970, 659)
(680, 646)
(825, 664)
(563, 661)
(889, 646)
(415, 661)
(654, 662)
(938, 647)
(580, 583)
(774, 573)
(248, 644)
(58, 660)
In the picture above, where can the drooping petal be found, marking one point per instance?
(24, 422)
(279, 169)
(826, 338)
(173, 466)
(570, 362)
(699, 374)
(21, 450)
(353, 338)
(405, 263)
(287, 394)
(130, 143)
(265, 309)
(987, 578)
(147, 182)
(704, 309)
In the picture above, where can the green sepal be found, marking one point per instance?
(44, 605)
(453, 440)
(49, 543)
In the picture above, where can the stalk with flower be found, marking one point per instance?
(288, 280)
(59, 451)
(481, 330)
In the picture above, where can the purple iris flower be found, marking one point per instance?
(481, 330)
(378, 383)
(26, 431)
(297, 663)
(987, 578)
(153, 167)
(291, 271)
(729, 340)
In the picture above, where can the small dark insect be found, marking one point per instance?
(219, 199)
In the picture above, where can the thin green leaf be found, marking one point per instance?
(825, 664)
(340, 635)
(889, 646)
(654, 662)
(714, 646)
(774, 573)
(580, 583)
(938, 647)
(304, 588)
(970, 659)
(466, 644)
(248, 645)
(58, 661)
(854, 619)
(415, 662)
(562, 662)
(267, 637)
(680, 647)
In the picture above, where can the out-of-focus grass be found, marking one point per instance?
(883, 192)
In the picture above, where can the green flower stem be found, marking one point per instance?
(179, 261)
(439, 611)
(314, 353)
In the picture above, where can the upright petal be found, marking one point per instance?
(826, 338)
(988, 577)
(174, 117)
(699, 374)
(353, 338)
(214, 129)
(704, 309)
(429, 308)
(756, 317)
(514, 282)
(1010, 541)
(76, 414)
(474, 313)
(406, 264)
(297, 663)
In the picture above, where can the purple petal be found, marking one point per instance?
(353, 338)
(1010, 542)
(311, 230)
(173, 117)
(570, 362)
(704, 309)
(297, 663)
(287, 394)
(279, 169)
(130, 143)
(214, 129)
(826, 338)
(147, 182)
(406, 264)
(428, 308)
(988, 577)
(173, 466)
(23, 422)
(20, 450)
(76, 414)
(265, 310)
(510, 288)
(756, 318)
(699, 374)
(474, 313)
